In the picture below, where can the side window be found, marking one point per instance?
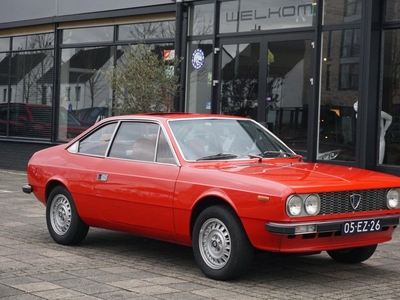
(125, 138)
(97, 142)
(164, 153)
(135, 140)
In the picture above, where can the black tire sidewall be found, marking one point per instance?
(77, 230)
(241, 249)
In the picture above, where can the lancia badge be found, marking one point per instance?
(355, 200)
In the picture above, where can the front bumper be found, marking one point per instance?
(320, 227)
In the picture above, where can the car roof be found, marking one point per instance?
(173, 116)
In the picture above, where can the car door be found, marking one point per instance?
(136, 181)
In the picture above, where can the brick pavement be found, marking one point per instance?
(110, 265)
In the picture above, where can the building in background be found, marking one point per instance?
(322, 75)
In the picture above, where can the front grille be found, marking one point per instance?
(339, 202)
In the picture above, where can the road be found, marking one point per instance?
(111, 265)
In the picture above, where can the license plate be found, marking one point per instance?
(361, 226)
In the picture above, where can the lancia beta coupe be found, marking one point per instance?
(221, 184)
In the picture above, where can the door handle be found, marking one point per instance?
(102, 177)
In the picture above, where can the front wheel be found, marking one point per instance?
(63, 222)
(352, 255)
(221, 247)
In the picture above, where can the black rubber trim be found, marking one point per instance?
(27, 188)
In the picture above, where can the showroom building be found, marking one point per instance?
(323, 75)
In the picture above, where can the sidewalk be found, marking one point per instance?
(110, 265)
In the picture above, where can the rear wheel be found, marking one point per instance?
(220, 245)
(63, 222)
(352, 255)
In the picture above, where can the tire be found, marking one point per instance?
(221, 247)
(63, 222)
(352, 255)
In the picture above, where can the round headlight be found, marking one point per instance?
(392, 198)
(312, 205)
(294, 205)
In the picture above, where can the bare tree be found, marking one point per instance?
(33, 65)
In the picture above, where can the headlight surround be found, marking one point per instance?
(312, 205)
(392, 198)
(303, 205)
(294, 206)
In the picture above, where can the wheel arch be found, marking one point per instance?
(206, 202)
(51, 185)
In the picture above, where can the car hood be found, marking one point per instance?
(303, 177)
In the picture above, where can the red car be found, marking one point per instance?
(34, 120)
(223, 185)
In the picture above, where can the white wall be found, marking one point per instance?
(22, 10)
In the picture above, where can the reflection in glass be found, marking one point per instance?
(4, 44)
(84, 89)
(339, 12)
(31, 88)
(287, 91)
(242, 16)
(392, 10)
(36, 41)
(31, 77)
(4, 75)
(351, 43)
(148, 30)
(199, 76)
(151, 91)
(389, 140)
(201, 19)
(87, 35)
(26, 79)
(239, 79)
(339, 93)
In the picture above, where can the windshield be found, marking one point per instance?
(209, 139)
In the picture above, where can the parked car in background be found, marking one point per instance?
(34, 120)
(223, 185)
(92, 115)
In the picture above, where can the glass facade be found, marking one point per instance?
(146, 30)
(26, 84)
(339, 12)
(87, 35)
(201, 20)
(339, 94)
(84, 89)
(239, 79)
(31, 107)
(298, 67)
(199, 76)
(389, 134)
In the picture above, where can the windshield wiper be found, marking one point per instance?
(280, 153)
(218, 156)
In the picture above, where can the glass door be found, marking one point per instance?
(288, 92)
(269, 80)
(240, 72)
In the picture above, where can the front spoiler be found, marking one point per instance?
(319, 227)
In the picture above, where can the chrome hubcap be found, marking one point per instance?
(215, 243)
(60, 214)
